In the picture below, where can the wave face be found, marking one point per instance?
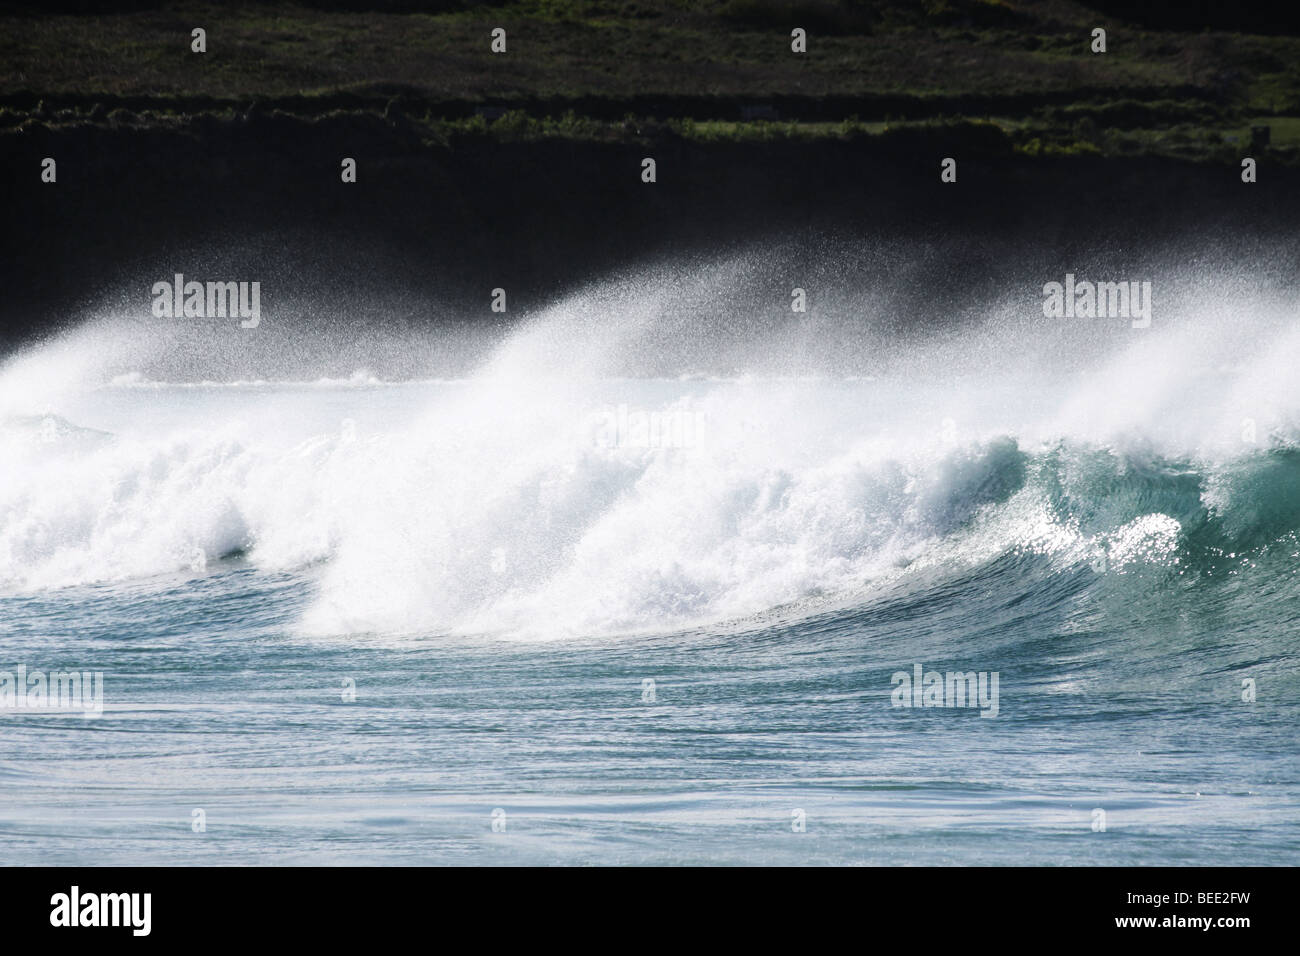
(549, 492)
(640, 570)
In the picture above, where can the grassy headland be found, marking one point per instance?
(1005, 75)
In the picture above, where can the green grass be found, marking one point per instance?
(656, 47)
(575, 65)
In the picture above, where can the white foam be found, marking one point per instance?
(496, 503)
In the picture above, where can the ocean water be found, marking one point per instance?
(561, 606)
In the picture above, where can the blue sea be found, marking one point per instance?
(560, 607)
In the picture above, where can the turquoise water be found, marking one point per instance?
(593, 618)
(212, 705)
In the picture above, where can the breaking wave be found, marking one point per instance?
(551, 490)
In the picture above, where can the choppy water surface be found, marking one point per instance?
(658, 619)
